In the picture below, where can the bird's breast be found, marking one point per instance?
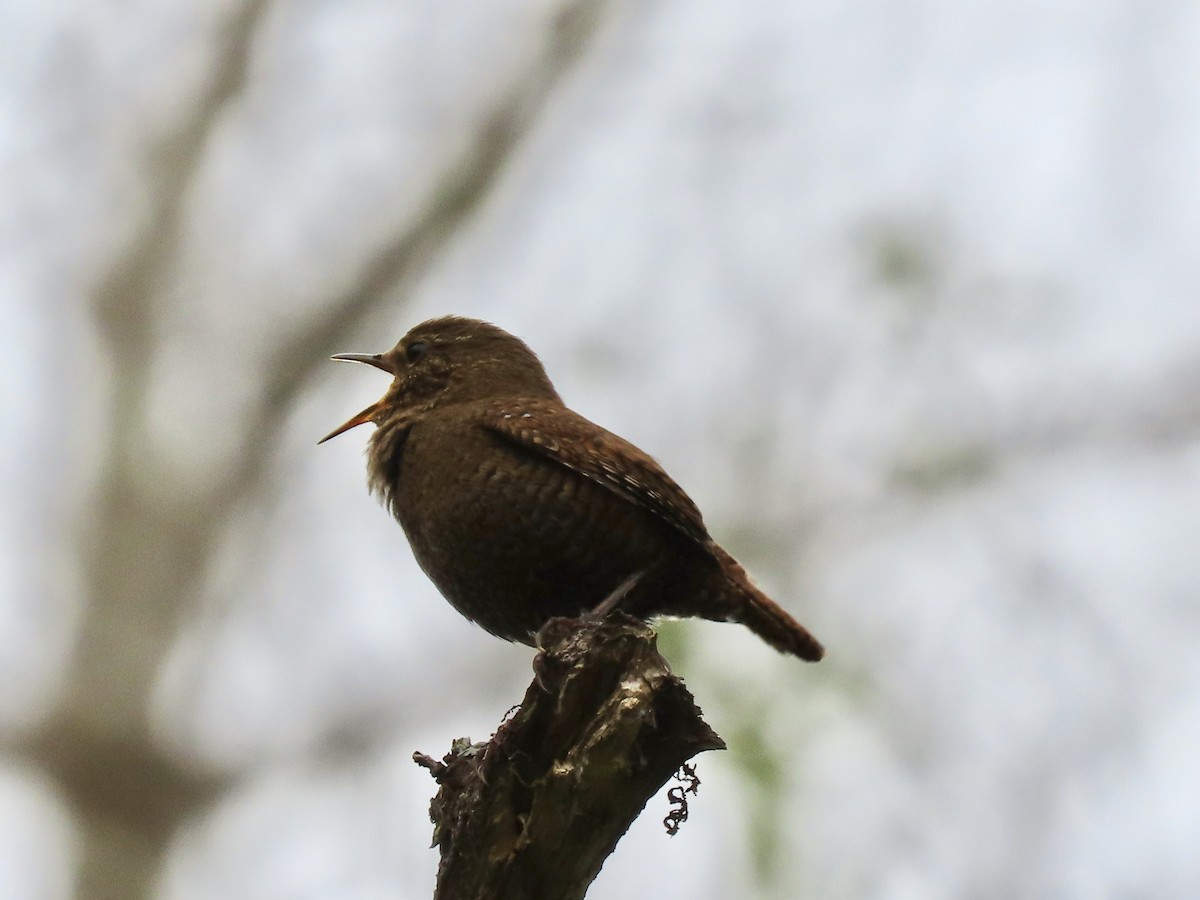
(509, 536)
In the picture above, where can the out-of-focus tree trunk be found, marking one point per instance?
(144, 551)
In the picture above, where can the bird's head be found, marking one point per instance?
(446, 361)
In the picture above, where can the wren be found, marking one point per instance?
(519, 509)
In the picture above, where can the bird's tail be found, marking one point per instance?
(762, 615)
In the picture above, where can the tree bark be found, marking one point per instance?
(533, 813)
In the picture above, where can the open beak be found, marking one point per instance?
(367, 415)
(370, 359)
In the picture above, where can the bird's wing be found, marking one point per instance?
(567, 438)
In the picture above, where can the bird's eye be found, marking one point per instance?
(415, 350)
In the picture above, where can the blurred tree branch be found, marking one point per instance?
(145, 552)
(461, 190)
(533, 814)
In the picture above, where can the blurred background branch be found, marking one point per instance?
(146, 551)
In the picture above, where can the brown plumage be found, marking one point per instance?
(519, 509)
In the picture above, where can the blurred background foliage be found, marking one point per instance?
(904, 295)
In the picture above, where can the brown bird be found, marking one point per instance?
(520, 510)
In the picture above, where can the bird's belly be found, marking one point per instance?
(512, 539)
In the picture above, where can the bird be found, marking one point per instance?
(520, 510)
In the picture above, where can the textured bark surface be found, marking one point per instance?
(534, 812)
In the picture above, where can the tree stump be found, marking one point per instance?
(533, 813)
